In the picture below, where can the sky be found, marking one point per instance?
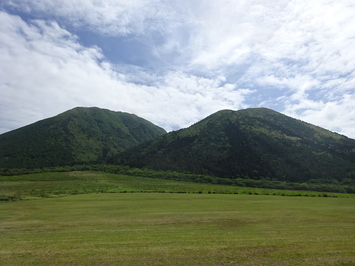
(174, 62)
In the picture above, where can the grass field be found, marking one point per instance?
(168, 228)
(178, 229)
(56, 184)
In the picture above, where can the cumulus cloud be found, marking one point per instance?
(45, 71)
(111, 17)
(338, 116)
(227, 32)
(296, 57)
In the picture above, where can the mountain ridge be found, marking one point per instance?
(79, 135)
(250, 143)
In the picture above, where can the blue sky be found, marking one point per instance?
(176, 62)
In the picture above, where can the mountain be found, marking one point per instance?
(255, 143)
(80, 135)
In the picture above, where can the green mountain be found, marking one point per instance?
(80, 135)
(255, 143)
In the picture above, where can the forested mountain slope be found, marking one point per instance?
(256, 143)
(80, 135)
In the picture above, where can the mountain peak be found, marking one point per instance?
(254, 142)
(79, 135)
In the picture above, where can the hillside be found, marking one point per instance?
(80, 135)
(256, 143)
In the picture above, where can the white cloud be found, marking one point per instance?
(313, 38)
(228, 31)
(45, 71)
(190, 98)
(111, 17)
(337, 116)
(296, 56)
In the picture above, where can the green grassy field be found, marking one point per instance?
(178, 229)
(195, 227)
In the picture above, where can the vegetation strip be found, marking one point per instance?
(56, 184)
